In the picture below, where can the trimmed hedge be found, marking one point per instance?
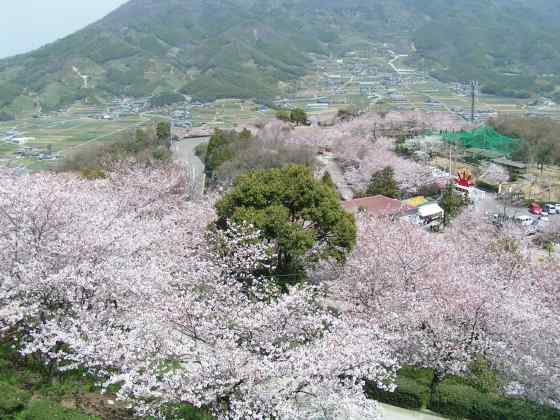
(459, 401)
(412, 392)
(12, 399)
(486, 186)
(423, 376)
(48, 410)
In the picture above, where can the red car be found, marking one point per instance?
(536, 209)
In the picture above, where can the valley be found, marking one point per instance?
(370, 79)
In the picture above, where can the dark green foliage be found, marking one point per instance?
(166, 99)
(298, 116)
(48, 410)
(187, 412)
(230, 154)
(472, 397)
(413, 388)
(283, 115)
(220, 149)
(243, 49)
(423, 376)
(541, 137)
(201, 151)
(24, 377)
(12, 399)
(452, 202)
(93, 173)
(327, 180)
(383, 183)
(296, 212)
(459, 400)
(163, 133)
(143, 145)
(486, 186)
(409, 394)
(483, 377)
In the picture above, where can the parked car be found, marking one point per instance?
(524, 220)
(550, 208)
(536, 209)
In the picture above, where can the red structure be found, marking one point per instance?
(536, 209)
(464, 178)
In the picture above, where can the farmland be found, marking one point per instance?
(372, 78)
(48, 137)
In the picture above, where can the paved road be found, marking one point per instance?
(389, 412)
(184, 152)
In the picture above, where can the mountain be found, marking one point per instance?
(247, 48)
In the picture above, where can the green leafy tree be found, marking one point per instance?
(163, 133)
(283, 115)
(218, 151)
(452, 203)
(298, 116)
(299, 214)
(327, 180)
(383, 183)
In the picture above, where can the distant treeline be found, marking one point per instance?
(541, 135)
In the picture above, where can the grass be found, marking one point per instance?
(29, 392)
(60, 132)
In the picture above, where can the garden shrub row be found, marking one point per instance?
(413, 389)
(486, 186)
(460, 401)
(458, 398)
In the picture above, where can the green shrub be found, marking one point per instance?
(487, 186)
(187, 412)
(423, 376)
(409, 394)
(162, 153)
(201, 150)
(93, 173)
(482, 377)
(283, 115)
(12, 399)
(457, 400)
(47, 410)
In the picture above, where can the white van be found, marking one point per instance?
(550, 208)
(524, 220)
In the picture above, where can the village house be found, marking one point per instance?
(379, 206)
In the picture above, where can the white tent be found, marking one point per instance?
(430, 210)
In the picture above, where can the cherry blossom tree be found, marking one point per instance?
(121, 276)
(449, 298)
(361, 148)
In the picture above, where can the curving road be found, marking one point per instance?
(389, 412)
(184, 152)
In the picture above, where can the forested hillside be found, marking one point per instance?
(245, 48)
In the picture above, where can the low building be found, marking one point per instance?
(431, 214)
(379, 206)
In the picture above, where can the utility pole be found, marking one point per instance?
(474, 90)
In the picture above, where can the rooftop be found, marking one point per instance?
(378, 206)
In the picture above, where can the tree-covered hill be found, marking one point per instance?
(244, 48)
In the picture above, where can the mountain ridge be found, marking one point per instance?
(245, 48)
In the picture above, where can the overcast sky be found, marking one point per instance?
(29, 24)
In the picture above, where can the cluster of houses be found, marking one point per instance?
(417, 210)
